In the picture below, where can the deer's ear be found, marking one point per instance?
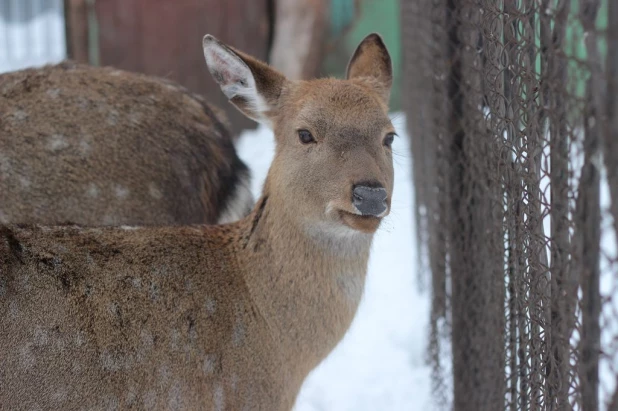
(372, 63)
(251, 85)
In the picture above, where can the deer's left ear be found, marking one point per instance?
(372, 63)
(250, 85)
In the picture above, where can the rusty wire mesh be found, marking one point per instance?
(514, 124)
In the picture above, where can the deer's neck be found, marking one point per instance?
(306, 281)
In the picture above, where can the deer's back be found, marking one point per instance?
(150, 318)
(99, 146)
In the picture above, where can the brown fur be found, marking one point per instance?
(229, 317)
(99, 146)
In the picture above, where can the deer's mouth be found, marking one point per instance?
(364, 223)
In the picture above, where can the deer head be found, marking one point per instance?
(333, 163)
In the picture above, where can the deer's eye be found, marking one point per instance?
(388, 140)
(305, 137)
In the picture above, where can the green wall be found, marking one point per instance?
(351, 20)
(381, 16)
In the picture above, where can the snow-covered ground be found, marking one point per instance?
(379, 365)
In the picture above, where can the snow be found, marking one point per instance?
(608, 365)
(32, 38)
(379, 365)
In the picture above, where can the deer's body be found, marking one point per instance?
(164, 318)
(99, 146)
(229, 317)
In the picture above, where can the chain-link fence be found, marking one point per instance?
(513, 115)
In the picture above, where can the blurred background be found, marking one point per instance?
(302, 38)
(497, 288)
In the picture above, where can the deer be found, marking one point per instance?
(213, 317)
(101, 146)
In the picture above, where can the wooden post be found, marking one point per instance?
(76, 17)
(300, 34)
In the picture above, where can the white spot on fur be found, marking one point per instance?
(13, 310)
(110, 402)
(61, 249)
(24, 182)
(114, 309)
(83, 103)
(93, 190)
(112, 361)
(5, 165)
(121, 192)
(150, 400)
(80, 338)
(59, 344)
(241, 202)
(174, 399)
(136, 282)
(40, 336)
(211, 306)
(112, 117)
(26, 357)
(57, 142)
(235, 78)
(135, 118)
(174, 339)
(147, 343)
(20, 115)
(24, 283)
(60, 395)
(234, 382)
(128, 227)
(53, 93)
(147, 339)
(153, 291)
(164, 373)
(131, 396)
(209, 364)
(238, 335)
(154, 191)
(85, 146)
(219, 398)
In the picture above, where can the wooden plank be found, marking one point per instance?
(164, 38)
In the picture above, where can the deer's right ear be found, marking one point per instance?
(252, 86)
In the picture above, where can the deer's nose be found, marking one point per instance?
(369, 200)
